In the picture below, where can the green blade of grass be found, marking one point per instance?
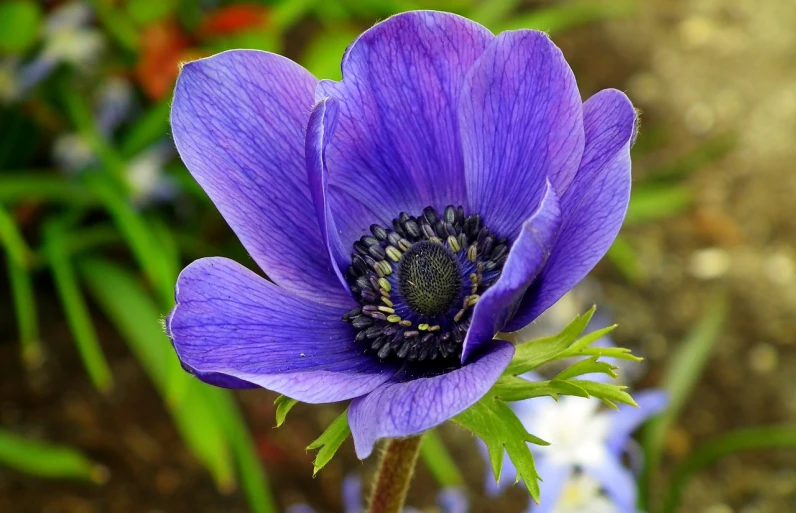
(626, 261)
(12, 241)
(75, 308)
(251, 471)
(138, 234)
(136, 316)
(770, 437)
(438, 460)
(147, 129)
(36, 185)
(566, 15)
(48, 460)
(682, 374)
(22, 293)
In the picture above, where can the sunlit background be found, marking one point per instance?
(98, 215)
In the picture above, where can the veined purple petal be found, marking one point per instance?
(407, 406)
(230, 322)
(521, 121)
(594, 206)
(321, 124)
(238, 120)
(396, 146)
(625, 421)
(526, 259)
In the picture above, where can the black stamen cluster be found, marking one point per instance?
(395, 272)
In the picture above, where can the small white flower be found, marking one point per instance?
(582, 494)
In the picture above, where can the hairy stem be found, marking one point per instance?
(395, 472)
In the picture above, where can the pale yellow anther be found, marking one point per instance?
(422, 327)
(385, 285)
(386, 309)
(405, 322)
(393, 253)
(393, 318)
(436, 327)
(472, 252)
(472, 300)
(387, 301)
(453, 244)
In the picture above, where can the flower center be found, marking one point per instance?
(418, 282)
(429, 278)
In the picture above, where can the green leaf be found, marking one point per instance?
(75, 308)
(650, 202)
(116, 24)
(439, 461)
(682, 373)
(567, 15)
(146, 129)
(20, 24)
(325, 51)
(491, 420)
(283, 406)
(531, 354)
(514, 388)
(626, 260)
(770, 437)
(48, 460)
(252, 473)
(587, 366)
(36, 185)
(329, 441)
(22, 292)
(607, 393)
(12, 241)
(135, 315)
(711, 151)
(146, 12)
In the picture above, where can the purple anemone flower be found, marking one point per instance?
(452, 185)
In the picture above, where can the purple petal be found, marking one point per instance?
(396, 146)
(238, 120)
(404, 408)
(521, 121)
(553, 478)
(231, 323)
(322, 122)
(617, 482)
(625, 421)
(594, 206)
(526, 259)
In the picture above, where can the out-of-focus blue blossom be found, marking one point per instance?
(584, 439)
(449, 500)
(68, 38)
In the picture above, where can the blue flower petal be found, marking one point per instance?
(230, 322)
(617, 482)
(625, 421)
(593, 207)
(521, 121)
(553, 478)
(526, 259)
(396, 146)
(407, 405)
(238, 120)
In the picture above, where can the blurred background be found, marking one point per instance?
(98, 215)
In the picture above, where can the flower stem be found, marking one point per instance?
(395, 472)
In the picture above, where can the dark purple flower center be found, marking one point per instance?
(419, 281)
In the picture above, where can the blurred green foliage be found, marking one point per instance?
(81, 215)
